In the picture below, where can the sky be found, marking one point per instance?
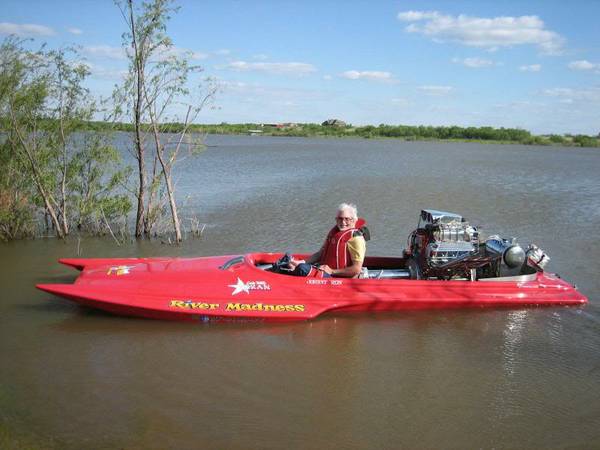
(522, 64)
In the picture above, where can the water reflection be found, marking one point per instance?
(513, 335)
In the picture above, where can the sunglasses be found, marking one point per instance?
(345, 219)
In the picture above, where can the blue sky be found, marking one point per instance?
(526, 64)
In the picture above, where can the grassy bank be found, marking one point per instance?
(403, 132)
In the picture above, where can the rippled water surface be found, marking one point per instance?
(73, 378)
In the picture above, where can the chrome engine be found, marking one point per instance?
(450, 237)
(439, 253)
(446, 246)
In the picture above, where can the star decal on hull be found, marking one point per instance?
(240, 286)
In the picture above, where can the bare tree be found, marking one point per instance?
(160, 103)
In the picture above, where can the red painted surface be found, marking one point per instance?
(199, 289)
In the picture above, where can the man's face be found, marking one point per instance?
(344, 220)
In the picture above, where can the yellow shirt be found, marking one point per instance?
(357, 247)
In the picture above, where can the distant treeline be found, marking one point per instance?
(405, 132)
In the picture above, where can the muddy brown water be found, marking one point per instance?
(73, 378)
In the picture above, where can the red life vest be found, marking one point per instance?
(335, 249)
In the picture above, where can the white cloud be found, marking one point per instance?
(327, 77)
(518, 104)
(222, 52)
(290, 68)
(436, 90)
(266, 96)
(182, 52)
(118, 53)
(401, 101)
(583, 65)
(558, 92)
(412, 16)
(74, 30)
(25, 29)
(260, 57)
(285, 103)
(487, 33)
(570, 95)
(198, 55)
(236, 86)
(370, 75)
(530, 68)
(474, 63)
(105, 51)
(97, 71)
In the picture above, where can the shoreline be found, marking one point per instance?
(403, 139)
(479, 135)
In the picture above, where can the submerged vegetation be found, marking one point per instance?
(52, 177)
(59, 171)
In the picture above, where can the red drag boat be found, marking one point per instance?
(438, 270)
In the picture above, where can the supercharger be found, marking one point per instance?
(447, 237)
(452, 240)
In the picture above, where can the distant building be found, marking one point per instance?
(334, 123)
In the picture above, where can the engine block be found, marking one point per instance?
(441, 253)
(450, 237)
(445, 246)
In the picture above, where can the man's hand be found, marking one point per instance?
(325, 268)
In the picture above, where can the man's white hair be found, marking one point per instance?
(348, 207)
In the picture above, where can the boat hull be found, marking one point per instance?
(227, 288)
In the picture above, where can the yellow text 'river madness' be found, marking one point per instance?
(230, 306)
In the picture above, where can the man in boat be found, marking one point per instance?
(343, 252)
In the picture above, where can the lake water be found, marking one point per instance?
(73, 378)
